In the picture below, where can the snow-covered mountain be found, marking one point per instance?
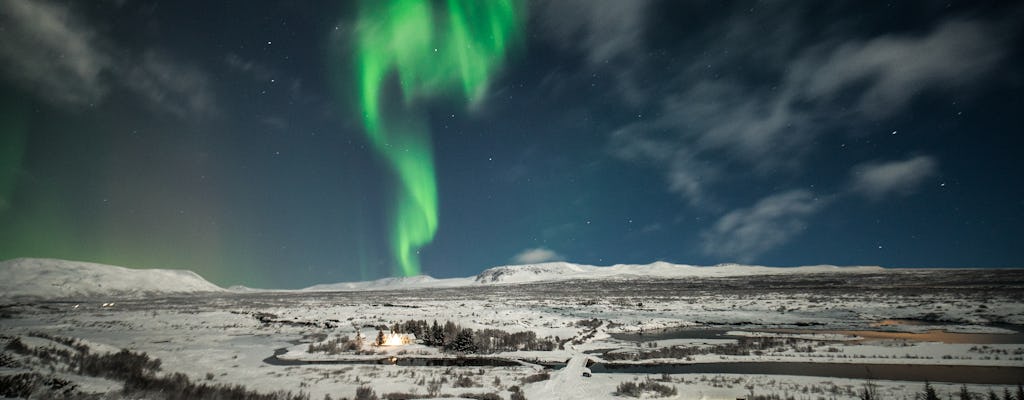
(563, 271)
(50, 278)
(556, 271)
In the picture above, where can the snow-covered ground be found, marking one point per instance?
(232, 337)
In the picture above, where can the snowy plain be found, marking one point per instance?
(604, 316)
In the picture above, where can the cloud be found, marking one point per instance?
(685, 174)
(894, 68)
(746, 233)
(48, 51)
(178, 89)
(55, 55)
(603, 29)
(536, 255)
(255, 70)
(609, 34)
(711, 127)
(877, 180)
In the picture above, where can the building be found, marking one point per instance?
(397, 339)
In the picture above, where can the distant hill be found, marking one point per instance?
(560, 271)
(407, 282)
(54, 279)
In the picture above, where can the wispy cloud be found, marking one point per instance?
(893, 68)
(536, 255)
(253, 69)
(710, 126)
(602, 29)
(746, 233)
(48, 51)
(609, 34)
(685, 174)
(877, 180)
(57, 56)
(179, 89)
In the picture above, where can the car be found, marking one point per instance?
(586, 373)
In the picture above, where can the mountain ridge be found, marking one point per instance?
(54, 278)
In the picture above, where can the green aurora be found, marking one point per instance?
(431, 49)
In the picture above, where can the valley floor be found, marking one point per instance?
(703, 337)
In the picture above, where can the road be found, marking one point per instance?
(567, 383)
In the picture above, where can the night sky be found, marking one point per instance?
(233, 138)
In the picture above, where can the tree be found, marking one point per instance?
(450, 331)
(964, 393)
(929, 392)
(380, 337)
(436, 335)
(464, 342)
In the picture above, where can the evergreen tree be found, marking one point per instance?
(380, 337)
(464, 342)
(929, 392)
(436, 335)
(964, 393)
(1006, 394)
(1020, 392)
(450, 331)
(992, 395)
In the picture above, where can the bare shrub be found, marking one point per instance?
(543, 376)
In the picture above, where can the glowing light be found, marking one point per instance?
(428, 50)
(392, 339)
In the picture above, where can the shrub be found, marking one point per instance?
(633, 389)
(433, 388)
(543, 376)
(464, 381)
(402, 396)
(24, 385)
(365, 393)
(481, 396)
(17, 346)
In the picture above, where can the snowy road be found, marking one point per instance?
(568, 383)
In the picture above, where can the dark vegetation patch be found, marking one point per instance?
(139, 373)
(633, 389)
